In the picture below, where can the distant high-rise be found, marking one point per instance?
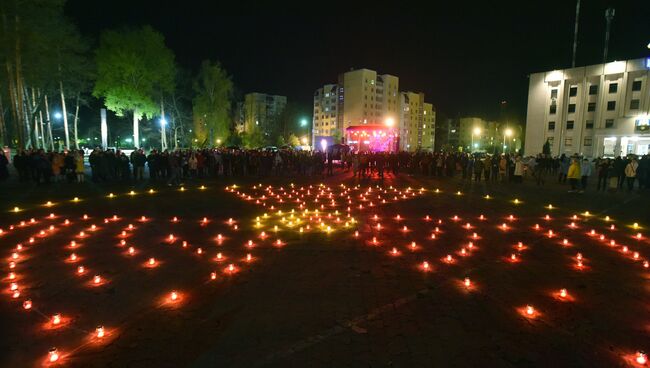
(363, 98)
(261, 111)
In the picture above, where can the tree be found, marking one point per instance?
(293, 140)
(28, 36)
(134, 68)
(212, 103)
(254, 139)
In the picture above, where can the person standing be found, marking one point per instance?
(518, 172)
(573, 174)
(630, 173)
(603, 170)
(79, 165)
(585, 173)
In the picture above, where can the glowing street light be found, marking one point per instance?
(303, 122)
(389, 122)
(477, 132)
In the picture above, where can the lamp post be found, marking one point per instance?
(476, 131)
(506, 133)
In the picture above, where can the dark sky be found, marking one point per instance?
(465, 58)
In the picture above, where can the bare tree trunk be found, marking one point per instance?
(20, 111)
(27, 121)
(3, 127)
(163, 125)
(76, 119)
(64, 111)
(40, 113)
(136, 130)
(32, 117)
(49, 124)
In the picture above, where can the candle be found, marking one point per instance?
(99, 332)
(467, 282)
(563, 293)
(56, 319)
(641, 357)
(173, 296)
(53, 355)
(27, 304)
(80, 270)
(530, 310)
(97, 279)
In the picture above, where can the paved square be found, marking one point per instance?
(341, 273)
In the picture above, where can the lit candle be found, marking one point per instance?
(73, 257)
(413, 245)
(27, 304)
(97, 279)
(231, 267)
(80, 270)
(131, 250)
(513, 257)
(56, 319)
(641, 357)
(53, 355)
(563, 293)
(173, 296)
(394, 251)
(449, 258)
(99, 332)
(467, 282)
(425, 265)
(152, 261)
(530, 310)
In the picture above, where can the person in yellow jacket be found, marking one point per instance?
(574, 174)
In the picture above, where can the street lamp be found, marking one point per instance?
(58, 115)
(389, 122)
(303, 122)
(476, 131)
(506, 133)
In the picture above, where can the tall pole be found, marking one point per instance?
(575, 35)
(609, 16)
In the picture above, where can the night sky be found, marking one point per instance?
(466, 59)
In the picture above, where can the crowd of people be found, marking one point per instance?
(175, 166)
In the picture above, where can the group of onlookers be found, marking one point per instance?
(42, 167)
(173, 166)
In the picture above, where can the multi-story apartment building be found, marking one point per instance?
(416, 122)
(595, 110)
(325, 111)
(262, 111)
(363, 98)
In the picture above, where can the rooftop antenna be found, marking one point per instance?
(609, 16)
(575, 35)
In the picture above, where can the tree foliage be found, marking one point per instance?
(134, 67)
(211, 105)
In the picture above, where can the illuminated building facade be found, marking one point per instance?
(261, 111)
(595, 110)
(363, 98)
(417, 122)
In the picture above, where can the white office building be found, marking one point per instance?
(595, 110)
